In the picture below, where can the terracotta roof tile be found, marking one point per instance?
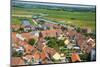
(14, 38)
(27, 35)
(36, 55)
(28, 48)
(29, 56)
(15, 26)
(51, 33)
(43, 55)
(17, 61)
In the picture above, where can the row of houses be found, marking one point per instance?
(32, 52)
(40, 53)
(85, 44)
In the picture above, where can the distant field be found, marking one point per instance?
(81, 19)
(18, 19)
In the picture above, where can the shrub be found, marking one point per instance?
(31, 41)
(17, 54)
(85, 57)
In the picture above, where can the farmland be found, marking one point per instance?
(80, 19)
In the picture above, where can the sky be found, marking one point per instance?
(84, 2)
(55, 4)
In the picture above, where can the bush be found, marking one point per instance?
(78, 29)
(85, 57)
(93, 35)
(20, 30)
(31, 42)
(17, 54)
(60, 43)
(54, 43)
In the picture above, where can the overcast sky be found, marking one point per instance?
(54, 4)
(86, 2)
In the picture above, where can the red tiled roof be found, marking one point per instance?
(29, 56)
(80, 36)
(43, 55)
(15, 26)
(88, 49)
(71, 33)
(22, 43)
(40, 55)
(17, 61)
(28, 48)
(82, 42)
(27, 36)
(14, 38)
(75, 57)
(36, 55)
(51, 33)
(49, 50)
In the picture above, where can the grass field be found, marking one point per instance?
(81, 19)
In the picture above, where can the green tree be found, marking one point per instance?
(78, 29)
(31, 41)
(85, 57)
(17, 54)
(54, 42)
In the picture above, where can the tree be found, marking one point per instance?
(60, 43)
(20, 30)
(78, 29)
(31, 41)
(17, 54)
(54, 43)
(85, 57)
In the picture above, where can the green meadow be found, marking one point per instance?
(80, 19)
